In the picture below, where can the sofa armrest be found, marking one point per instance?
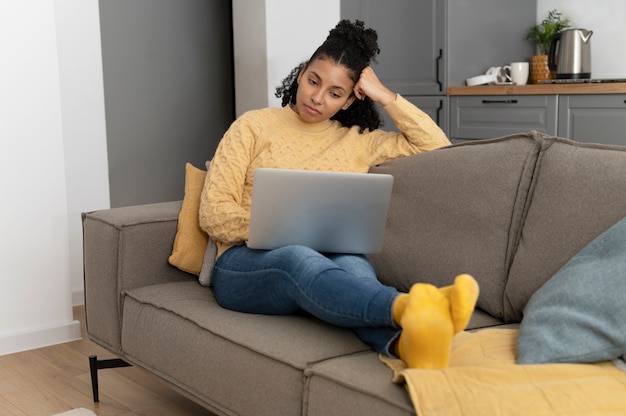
(125, 248)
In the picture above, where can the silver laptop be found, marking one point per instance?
(327, 211)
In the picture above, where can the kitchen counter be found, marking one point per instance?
(587, 112)
(538, 89)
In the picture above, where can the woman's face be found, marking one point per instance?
(324, 88)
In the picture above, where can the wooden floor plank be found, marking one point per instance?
(55, 379)
(8, 409)
(27, 395)
(59, 377)
(114, 383)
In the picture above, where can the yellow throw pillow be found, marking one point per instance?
(191, 241)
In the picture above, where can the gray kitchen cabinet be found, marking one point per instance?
(428, 45)
(411, 37)
(597, 118)
(591, 118)
(487, 116)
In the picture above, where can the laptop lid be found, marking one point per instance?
(333, 212)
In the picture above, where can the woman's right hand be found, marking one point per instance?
(369, 85)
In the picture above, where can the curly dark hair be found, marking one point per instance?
(355, 47)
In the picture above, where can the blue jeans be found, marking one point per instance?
(341, 289)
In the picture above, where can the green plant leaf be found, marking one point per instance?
(541, 33)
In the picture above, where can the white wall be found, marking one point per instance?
(84, 129)
(35, 289)
(293, 34)
(271, 37)
(606, 18)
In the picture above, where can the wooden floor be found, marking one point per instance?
(55, 379)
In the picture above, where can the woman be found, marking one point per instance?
(328, 122)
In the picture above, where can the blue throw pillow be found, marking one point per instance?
(579, 315)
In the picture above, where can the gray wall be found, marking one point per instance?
(486, 33)
(168, 89)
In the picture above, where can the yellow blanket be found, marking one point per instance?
(483, 379)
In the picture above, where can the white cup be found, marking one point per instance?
(519, 72)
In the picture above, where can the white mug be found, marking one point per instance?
(519, 72)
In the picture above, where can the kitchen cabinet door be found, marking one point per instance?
(598, 118)
(488, 116)
(411, 36)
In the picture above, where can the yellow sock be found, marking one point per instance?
(463, 297)
(426, 336)
(431, 318)
(398, 307)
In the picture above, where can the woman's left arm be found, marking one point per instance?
(418, 132)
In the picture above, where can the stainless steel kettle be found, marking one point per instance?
(570, 54)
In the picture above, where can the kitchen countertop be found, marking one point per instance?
(538, 89)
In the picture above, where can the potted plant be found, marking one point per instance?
(541, 35)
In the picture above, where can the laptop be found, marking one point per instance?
(333, 212)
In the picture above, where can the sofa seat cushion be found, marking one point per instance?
(353, 386)
(360, 384)
(230, 361)
(474, 200)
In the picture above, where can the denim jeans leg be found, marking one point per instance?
(342, 290)
(381, 339)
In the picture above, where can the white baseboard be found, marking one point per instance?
(78, 298)
(41, 337)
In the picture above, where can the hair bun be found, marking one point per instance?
(355, 37)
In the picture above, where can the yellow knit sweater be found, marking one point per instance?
(278, 138)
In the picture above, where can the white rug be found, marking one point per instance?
(77, 412)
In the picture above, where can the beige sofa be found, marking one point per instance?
(510, 211)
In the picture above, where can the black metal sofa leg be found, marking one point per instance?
(95, 365)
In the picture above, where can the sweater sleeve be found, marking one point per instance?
(418, 133)
(222, 214)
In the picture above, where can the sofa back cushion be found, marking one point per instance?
(458, 210)
(578, 193)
